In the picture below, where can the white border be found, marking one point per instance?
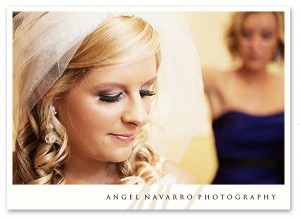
(95, 196)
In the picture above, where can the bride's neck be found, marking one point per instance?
(89, 172)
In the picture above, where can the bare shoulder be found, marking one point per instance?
(212, 77)
(183, 176)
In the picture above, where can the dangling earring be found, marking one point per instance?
(50, 137)
(53, 110)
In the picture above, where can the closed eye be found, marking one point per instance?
(144, 93)
(111, 99)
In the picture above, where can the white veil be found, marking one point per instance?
(44, 43)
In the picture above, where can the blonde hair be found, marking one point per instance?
(117, 40)
(234, 29)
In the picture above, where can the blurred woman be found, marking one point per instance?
(247, 102)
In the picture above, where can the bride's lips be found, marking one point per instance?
(123, 137)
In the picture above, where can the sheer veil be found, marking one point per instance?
(180, 110)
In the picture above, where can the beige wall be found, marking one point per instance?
(207, 29)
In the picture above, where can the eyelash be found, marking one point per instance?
(144, 93)
(119, 96)
(111, 99)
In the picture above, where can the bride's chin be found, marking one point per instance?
(122, 155)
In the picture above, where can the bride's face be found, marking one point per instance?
(103, 113)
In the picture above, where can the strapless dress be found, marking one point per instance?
(250, 148)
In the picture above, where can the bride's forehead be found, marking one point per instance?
(139, 72)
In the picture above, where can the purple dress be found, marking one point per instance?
(250, 148)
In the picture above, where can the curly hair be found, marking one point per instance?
(117, 40)
(234, 29)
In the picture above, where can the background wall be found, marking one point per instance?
(207, 30)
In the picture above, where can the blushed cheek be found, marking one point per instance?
(78, 118)
(104, 118)
(94, 120)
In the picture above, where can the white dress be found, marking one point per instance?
(168, 178)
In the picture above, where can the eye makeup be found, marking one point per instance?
(114, 92)
(144, 93)
(110, 98)
(119, 96)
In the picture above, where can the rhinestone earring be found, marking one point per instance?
(53, 110)
(50, 137)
